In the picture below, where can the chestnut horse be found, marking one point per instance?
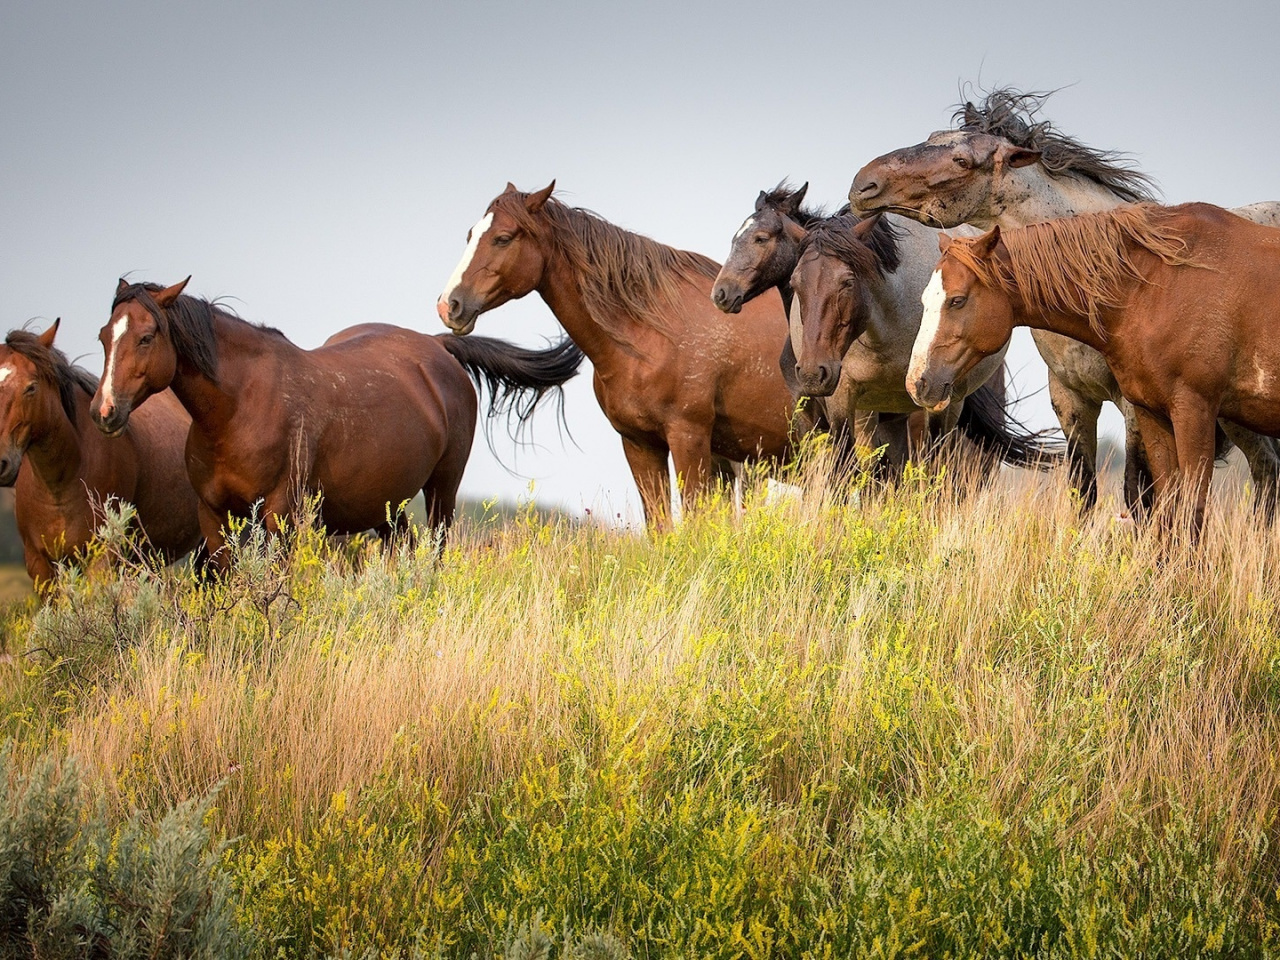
(367, 420)
(63, 470)
(674, 376)
(1181, 301)
(1005, 167)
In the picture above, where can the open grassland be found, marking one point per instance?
(894, 724)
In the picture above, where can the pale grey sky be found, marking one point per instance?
(322, 162)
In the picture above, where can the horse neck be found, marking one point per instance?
(561, 292)
(1026, 195)
(1068, 323)
(54, 452)
(211, 403)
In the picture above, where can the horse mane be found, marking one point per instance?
(52, 364)
(834, 237)
(1077, 264)
(807, 215)
(1012, 114)
(620, 273)
(189, 324)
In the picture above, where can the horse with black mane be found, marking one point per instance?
(63, 470)
(367, 420)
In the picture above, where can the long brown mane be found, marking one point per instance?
(1013, 115)
(1077, 264)
(52, 365)
(620, 273)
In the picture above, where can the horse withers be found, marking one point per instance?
(1181, 301)
(63, 470)
(367, 420)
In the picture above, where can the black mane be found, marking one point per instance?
(834, 237)
(52, 365)
(189, 323)
(1012, 114)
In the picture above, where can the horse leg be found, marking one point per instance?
(215, 541)
(1195, 425)
(1139, 490)
(1078, 417)
(649, 469)
(691, 455)
(1264, 467)
(440, 492)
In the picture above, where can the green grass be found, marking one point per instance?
(899, 724)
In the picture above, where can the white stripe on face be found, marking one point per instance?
(117, 331)
(746, 225)
(473, 244)
(5, 371)
(933, 298)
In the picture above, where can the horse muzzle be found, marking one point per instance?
(728, 296)
(458, 313)
(818, 380)
(10, 463)
(111, 419)
(865, 189)
(931, 393)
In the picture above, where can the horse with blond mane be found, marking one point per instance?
(1181, 301)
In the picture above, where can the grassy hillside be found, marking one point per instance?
(887, 725)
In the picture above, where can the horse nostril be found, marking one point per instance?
(718, 295)
(455, 308)
(869, 188)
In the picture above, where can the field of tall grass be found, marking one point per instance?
(898, 723)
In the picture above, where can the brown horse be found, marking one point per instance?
(367, 420)
(1181, 301)
(674, 375)
(63, 470)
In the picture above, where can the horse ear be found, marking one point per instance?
(1012, 156)
(536, 201)
(122, 286)
(985, 245)
(169, 294)
(795, 233)
(511, 188)
(792, 207)
(46, 338)
(863, 228)
(760, 201)
(944, 241)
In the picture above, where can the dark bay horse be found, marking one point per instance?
(63, 469)
(674, 376)
(1006, 166)
(367, 420)
(1181, 301)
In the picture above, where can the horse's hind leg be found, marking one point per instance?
(440, 492)
(649, 469)
(1264, 467)
(1078, 416)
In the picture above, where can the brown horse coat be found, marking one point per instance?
(63, 469)
(674, 375)
(1183, 303)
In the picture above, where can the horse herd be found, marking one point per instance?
(200, 415)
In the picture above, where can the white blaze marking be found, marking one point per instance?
(473, 244)
(746, 225)
(933, 298)
(108, 388)
(4, 372)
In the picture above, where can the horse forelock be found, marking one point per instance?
(619, 272)
(1079, 265)
(1012, 114)
(834, 237)
(53, 366)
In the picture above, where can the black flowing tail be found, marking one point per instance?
(986, 421)
(516, 378)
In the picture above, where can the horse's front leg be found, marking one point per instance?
(1195, 422)
(649, 469)
(212, 527)
(691, 453)
(1264, 467)
(1078, 417)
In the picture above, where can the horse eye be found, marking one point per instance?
(958, 302)
(145, 339)
(502, 240)
(31, 390)
(760, 239)
(962, 163)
